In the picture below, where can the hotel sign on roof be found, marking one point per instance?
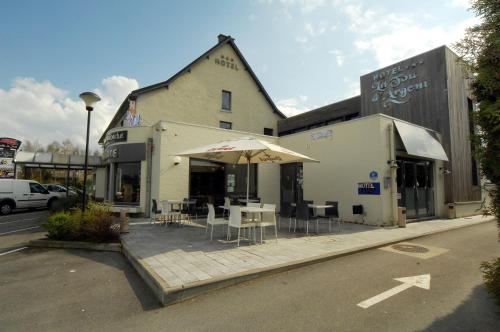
(396, 85)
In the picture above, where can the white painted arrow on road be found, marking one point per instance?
(422, 281)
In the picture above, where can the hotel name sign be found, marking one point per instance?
(396, 85)
(227, 62)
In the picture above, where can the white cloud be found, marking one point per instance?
(33, 110)
(301, 39)
(460, 3)
(293, 106)
(393, 37)
(339, 57)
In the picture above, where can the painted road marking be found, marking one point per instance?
(11, 251)
(10, 222)
(422, 281)
(19, 230)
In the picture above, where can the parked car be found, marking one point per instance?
(24, 194)
(75, 189)
(60, 190)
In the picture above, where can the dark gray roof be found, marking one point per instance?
(321, 115)
(222, 41)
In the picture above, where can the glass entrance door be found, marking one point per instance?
(291, 183)
(415, 187)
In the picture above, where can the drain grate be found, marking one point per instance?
(409, 248)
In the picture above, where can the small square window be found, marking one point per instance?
(268, 131)
(226, 101)
(225, 125)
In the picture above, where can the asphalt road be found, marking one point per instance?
(18, 228)
(58, 290)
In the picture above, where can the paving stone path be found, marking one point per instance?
(181, 256)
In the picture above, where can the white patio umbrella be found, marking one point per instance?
(246, 150)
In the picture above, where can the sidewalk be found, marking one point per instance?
(180, 263)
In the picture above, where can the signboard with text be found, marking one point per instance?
(369, 188)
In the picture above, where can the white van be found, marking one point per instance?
(24, 194)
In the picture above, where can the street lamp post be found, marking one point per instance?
(90, 100)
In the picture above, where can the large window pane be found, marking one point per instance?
(128, 183)
(226, 100)
(236, 180)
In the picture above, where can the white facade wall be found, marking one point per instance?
(354, 149)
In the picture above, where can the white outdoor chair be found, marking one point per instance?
(268, 219)
(225, 207)
(235, 222)
(168, 213)
(255, 216)
(212, 221)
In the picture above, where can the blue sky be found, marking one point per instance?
(307, 53)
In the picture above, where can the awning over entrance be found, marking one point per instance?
(55, 160)
(420, 142)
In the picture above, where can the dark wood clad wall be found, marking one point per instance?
(426, 103)
(458, 92)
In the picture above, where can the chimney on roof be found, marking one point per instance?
(221, 37)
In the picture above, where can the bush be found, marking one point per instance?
(94, 225)
(64, 204)
(61, 226)
(491, 276)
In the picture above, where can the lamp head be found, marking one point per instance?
(90, 99)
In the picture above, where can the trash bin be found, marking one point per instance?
(401, 216)
(452, 212)
(123, 221)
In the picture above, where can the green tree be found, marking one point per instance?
(480, 52)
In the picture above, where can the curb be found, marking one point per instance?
(171, 295)
(116, 247)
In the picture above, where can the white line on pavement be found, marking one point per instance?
(19, 230)
(10, 252)
(10, 222)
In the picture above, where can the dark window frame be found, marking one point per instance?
(224, 106)
(269, 131)
(221, 123)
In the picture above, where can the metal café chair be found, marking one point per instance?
(156, 215)
(302, 213)
(330, 214)
(169, 213)
(189, 208)
(287, 211)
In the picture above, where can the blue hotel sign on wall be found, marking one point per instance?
(369, 188)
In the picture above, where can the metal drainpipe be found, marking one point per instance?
(393, 174)
(149, 169)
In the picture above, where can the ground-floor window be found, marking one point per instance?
(128, 183)
(210, 182)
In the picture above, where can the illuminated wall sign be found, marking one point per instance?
(395, 85)
(227, 62)
(369, 188)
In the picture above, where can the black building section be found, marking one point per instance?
(431, 90)
(337, 112)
